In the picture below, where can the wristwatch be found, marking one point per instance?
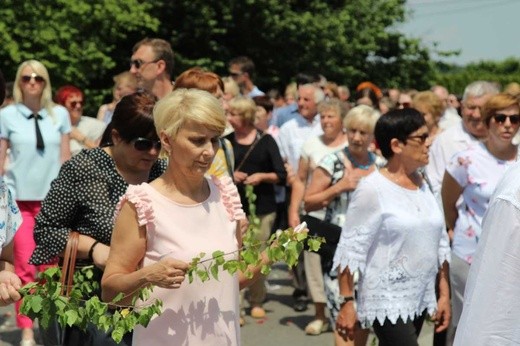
(345, 300)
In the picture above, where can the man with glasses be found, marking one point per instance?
(152, 65)
(470, 131)
(242, 70)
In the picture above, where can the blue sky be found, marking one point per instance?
(481, 29)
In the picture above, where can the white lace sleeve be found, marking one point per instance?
(444, 249)
(363, 221)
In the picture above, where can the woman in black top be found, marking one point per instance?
(84, 195)
(258, 163)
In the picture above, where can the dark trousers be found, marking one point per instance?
(401, 333)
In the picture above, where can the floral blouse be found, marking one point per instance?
(10, 217)
(478, 173)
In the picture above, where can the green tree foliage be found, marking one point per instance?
(347, 41)
(455, 78)
(87, 42)
(76, 40)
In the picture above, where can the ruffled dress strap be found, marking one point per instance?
(230, 197)
(138, 196)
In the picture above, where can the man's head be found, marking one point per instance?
(242, 70)
(152, 58)
(475, 96)
(309, 95)
(442, 93)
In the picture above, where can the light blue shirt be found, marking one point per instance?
(255, 92)
(31, 171)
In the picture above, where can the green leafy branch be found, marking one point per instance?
(284, 246)
(44, 301)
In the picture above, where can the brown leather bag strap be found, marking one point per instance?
(69, 263)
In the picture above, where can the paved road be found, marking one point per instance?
(282, 325)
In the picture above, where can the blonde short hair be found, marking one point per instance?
(183, 105)
(245, 107)
(230, 86)
(362, 115)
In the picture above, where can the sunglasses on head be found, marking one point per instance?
(145, 144)
(501, 118)
(37, 78)
(422, 138)
(138, 63)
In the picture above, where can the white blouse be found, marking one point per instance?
(396, 238)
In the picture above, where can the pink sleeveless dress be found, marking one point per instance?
(197, 313)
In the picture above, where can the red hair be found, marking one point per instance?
(372, 86)
(197, 78)
(65, 92)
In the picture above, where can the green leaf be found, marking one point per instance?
(214, 271)
(118, 297)
(72, 317)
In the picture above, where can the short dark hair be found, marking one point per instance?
(162, 50)
(399, 124)
(264, 102)
(246, 65)
(133, 118)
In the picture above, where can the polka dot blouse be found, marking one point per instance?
(83, 198)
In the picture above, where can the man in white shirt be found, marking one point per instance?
(491, 306)
(467, 133)
(470, 131)
(291, 138)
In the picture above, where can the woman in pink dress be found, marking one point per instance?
(161, 226)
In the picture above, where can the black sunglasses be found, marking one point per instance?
(37, 78)
(73, 104)
(422, 138)
(138, 63)
(235, 74)
(501, 118)
(404, 104)
(145, 144)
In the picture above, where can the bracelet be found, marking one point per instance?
(345, 300)
(91, 251)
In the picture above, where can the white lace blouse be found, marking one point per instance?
(396, 238)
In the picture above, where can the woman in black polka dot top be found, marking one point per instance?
(84, 195)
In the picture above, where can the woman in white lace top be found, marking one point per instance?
(394, 235)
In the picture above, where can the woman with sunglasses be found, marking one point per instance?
(37, 133)
(84, 195)
(86, 131)
(474, 174)
(394, 235)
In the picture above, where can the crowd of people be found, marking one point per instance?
(398, 182)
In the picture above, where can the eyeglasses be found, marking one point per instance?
(37, 78)
(145, 144)
(73, 104)
(138, 63)
(501, 118)
(422, 138)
